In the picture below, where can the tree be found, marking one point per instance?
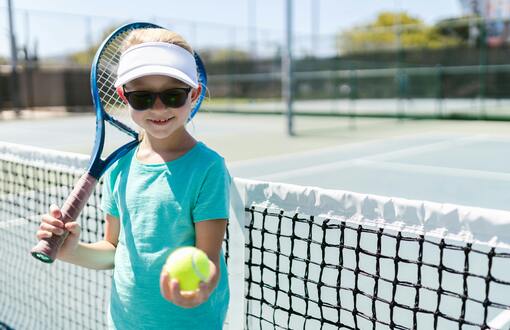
(85, 57)
(392, 31)
(477, 31)
(223, 55)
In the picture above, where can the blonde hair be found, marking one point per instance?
(155, 35)
(140, 36)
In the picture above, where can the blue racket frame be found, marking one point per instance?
(98, 166)
(46, 249)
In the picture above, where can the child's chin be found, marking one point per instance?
(161, 133)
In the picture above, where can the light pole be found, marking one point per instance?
(287, 76)
(252, 26)
(315, 22)
(14, 61)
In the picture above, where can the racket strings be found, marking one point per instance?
(107, 75)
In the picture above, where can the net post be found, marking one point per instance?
(236, 310)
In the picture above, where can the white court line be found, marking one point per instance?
(15, 223)
(426, 148)
(449, 171)
(501, 320)
(19, 221)
(313, 170)
(329, 150)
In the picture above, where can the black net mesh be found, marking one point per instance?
(302, 271)
(309, 274)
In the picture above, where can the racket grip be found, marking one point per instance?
(46, 249)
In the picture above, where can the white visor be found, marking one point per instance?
(157, 58)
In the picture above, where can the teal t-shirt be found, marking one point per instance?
(158, 205)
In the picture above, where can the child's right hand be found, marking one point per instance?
(52, 225)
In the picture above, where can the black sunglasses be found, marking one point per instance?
(171, 98)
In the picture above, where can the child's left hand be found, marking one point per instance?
(171, 291)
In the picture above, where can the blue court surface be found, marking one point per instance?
(447, 168)
(454, 162)
(460, 162)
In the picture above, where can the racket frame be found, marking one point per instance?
(46, 249)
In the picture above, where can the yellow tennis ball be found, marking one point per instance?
(189, 266)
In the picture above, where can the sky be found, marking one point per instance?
(60, 26)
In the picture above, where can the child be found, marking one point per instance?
(170, 191)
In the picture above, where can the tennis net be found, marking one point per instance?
(298, 257)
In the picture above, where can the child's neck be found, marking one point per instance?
(155, 150)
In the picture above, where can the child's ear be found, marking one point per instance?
(120, 91)
(195, 93)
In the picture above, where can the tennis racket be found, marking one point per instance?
(109, 108)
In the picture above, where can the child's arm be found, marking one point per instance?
(209, 237)
(98, 255)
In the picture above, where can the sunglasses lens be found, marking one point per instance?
(175, 98)
(141, 100)
(172, 98)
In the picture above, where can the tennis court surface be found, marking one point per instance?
(313, 258)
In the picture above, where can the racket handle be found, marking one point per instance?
(46, 249)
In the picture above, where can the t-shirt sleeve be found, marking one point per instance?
(214, 195)
(108, 203)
